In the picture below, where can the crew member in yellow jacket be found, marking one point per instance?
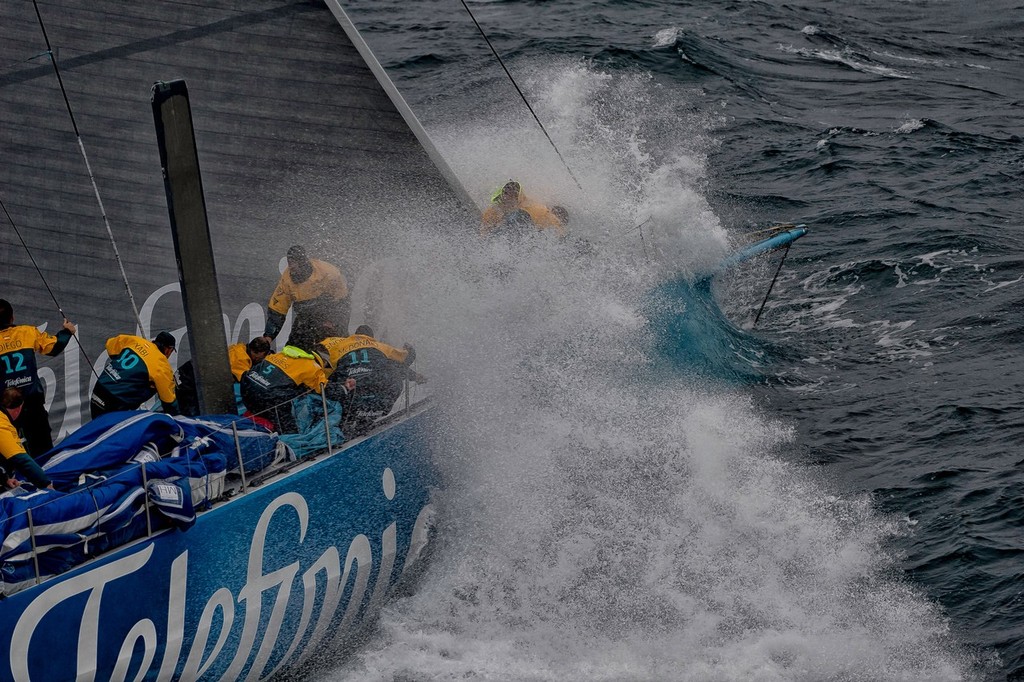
(379, 372)
(13, 458)
(317, 294)
(511, 210)
(19, 344)
(137, 368)
(269, 388)
(241, 357)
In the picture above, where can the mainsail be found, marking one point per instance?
(299, 142)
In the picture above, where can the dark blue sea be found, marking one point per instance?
(846, 501)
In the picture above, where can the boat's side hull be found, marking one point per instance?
(259, 582)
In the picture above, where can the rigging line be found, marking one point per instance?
(773, 230)
(772, 285)
(31, 257)
(640, 227)
(521, 95)
(636, 227)
(88, 166)
(45, 283)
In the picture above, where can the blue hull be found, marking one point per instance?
(764, 246)
(692, 334)
(259, 583)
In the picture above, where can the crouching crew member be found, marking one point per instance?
(379, 371)
(242, 357)
(137, 369)
(270, 386)
(14, 458)
(18, 347)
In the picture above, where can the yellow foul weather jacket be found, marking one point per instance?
(240, 361)
(136, 369)
(326, 284)
(15, 459)
(18, 347)
(540, 214)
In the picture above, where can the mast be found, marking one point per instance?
(193, 249)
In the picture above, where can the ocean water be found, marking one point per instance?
(849, 507)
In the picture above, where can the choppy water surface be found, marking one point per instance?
(854, 511)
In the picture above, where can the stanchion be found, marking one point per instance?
(238, 450)
(145, 496)
(327, 424)
(35, 552)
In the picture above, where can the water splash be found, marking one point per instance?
(638, 148)
(602, 518)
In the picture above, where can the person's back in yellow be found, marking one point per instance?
(270, 385)
(136, 369)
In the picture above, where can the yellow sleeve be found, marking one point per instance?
(44, 342)
(490, 219)
(392, 353)
(239, 359)
(10, 444)
(282, 298)
(543, 218)
(162, 376)
(313, 377)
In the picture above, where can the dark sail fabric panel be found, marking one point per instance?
(298, 143)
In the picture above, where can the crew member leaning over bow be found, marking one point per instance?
(137, 368)
(317, 294)
(13, 458)
(270, 386)
(18, 347)
(512, 212)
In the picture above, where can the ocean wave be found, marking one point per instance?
(845, 58)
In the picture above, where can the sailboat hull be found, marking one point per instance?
(260, 583)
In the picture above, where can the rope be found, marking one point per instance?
(88, 166)
(45, 283)
(32, 258)
(781, 227)
(636, 227)
(521, 95)
(772, 285)
(639, 227)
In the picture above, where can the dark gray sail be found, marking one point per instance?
(298, 139)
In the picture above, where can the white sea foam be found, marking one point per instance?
(600, 521)
(992, 286)
(912, 59)
(666, 36)
(845, 58)
(910, 126)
